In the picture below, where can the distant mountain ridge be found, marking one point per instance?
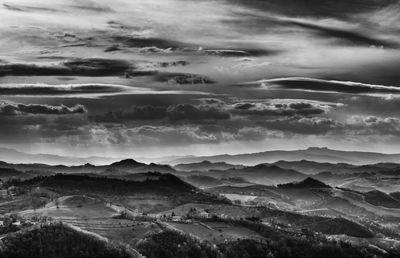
(123, 167)
(206, 166)
(311, 154)
(312, 167)
(19, 157)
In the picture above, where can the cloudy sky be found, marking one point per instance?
(129, 78)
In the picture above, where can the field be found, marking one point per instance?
(124, 231)
(94, 215)
(76, 207)
(216, 232)
(144, 203)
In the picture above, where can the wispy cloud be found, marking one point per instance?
(84, 90)
(312, 84)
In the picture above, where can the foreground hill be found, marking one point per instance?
(311, 154)
(173, 244)
(60, 241)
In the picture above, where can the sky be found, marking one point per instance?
(150, 78)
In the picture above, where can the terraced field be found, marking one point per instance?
(216, 232)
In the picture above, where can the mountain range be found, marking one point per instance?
(312, 154)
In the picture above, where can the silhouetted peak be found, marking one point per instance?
(261, 166)
(127, 163)
(307, 183)
(159, 165)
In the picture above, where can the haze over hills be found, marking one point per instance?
(206, 166)
(122, 167)
(312, 167)
(304, 157)
(14, 156)
(311, 154)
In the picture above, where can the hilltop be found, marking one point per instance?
(307, 183)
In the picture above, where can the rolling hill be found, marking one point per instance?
(127, 166)
(307, 183)
(157, 185)
(312, 167)
(60, 240)
(206, 166)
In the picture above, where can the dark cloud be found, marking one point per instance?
(174, 136)
(291, 109)
(245, 52)
(146, 112)
(304, 125)
(184, 135)
(26, 8)
(91, 6)
(173, 64)
(371, 105)
(317, 8)
(183, 78)
(76, 67)
(98, 67)
(12, 8)
(195, 113)
(32, 123)
(162, 45)
(45, 89)
(373, 125)
(30, 70)
(142, 42)
(11, 109)
(180, 112)
(213, 110)
(345, 36)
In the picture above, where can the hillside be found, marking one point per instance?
(379, 198)
(172, 244)
(156, 185)
(61, 241)
(266, 174)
